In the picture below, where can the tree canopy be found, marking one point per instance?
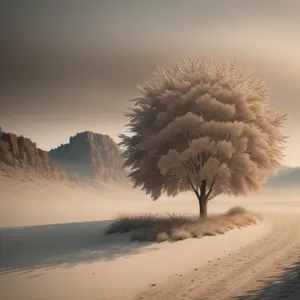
(204, 127)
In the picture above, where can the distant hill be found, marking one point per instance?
(88, 156)
(286, 177)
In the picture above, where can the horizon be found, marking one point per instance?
(77, 73)
(68, 140)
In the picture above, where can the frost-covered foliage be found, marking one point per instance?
(203, 126)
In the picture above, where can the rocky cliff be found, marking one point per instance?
(88, 156)
(18, 151)
(94, 156)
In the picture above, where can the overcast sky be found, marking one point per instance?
(69, 66)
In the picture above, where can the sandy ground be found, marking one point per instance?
(52, 247)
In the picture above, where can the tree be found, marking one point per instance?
(204, 127)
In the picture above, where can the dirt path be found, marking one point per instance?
(258, 271)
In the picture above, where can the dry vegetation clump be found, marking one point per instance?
(162, 237)
(178, 234)
(159, 228)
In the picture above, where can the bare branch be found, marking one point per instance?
(211, 187)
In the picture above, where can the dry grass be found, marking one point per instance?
(178, 234)
(153, 227)
(162, 237)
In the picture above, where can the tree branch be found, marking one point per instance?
(190, 181)
(209, 198)
(186, 141)
(211, 187)
(197, 167)
(194, 189)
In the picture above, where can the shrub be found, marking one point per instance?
(159, 228)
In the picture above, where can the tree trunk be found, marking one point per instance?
(203, 207)
(202, 198)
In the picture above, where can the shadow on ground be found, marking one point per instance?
(286, 286)
(61, 245)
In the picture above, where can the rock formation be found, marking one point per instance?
(90, 155)
(22, 152)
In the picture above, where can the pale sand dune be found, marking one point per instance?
(53, 247)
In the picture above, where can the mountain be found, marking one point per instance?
(92, 155)
(18, 151)
(286, 177)
(87, 157)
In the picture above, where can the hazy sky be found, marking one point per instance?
(69, 66)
